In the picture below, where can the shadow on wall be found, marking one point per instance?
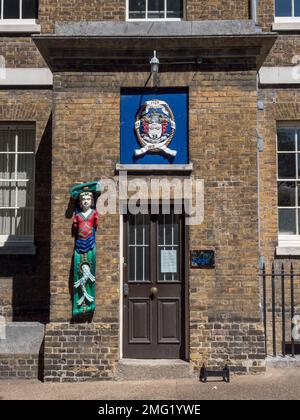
(26, 278)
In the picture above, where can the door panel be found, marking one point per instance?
(169, 320)
(153, 294)
(139, 320)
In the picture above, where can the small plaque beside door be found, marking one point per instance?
(203, 259)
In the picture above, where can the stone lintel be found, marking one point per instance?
(180, 46)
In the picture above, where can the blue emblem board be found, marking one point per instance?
(154, 126)
(203, 259)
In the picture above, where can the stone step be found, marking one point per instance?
(281, 362)
(142, 369)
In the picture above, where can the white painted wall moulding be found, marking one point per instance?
(287, 250)
(289, 75)
(286, 26)
(26, 77)
(20, 28)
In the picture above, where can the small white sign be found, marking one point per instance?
(168, 261)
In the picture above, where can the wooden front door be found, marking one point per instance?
(153, 286)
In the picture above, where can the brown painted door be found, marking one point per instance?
(153, 287)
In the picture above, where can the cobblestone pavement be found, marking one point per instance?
(275, 384)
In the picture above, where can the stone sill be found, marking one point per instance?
(286, 26)
(288, 250)
(24, 249)
(154, 168)
(20, 28)
(21, 338)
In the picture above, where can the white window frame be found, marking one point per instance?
(17, 240)
(288, 240)
(18, 25)
(164, 19)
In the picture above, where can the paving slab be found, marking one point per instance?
(276, 384)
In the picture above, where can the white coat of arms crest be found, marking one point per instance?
(155, 128)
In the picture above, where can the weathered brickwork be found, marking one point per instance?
(25, 278)
(285, 52)
(223, 124)
(216, 9)
(51, 11)
(19, 366)
(226, 134)
(81, 352)
(265, 14)
(287, 44)
(20, 52)
(240, 345)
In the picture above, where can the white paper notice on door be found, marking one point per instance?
(168, 261)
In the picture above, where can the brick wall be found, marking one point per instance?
(81, 352)
(25, 278)
(217, 9)
(287, 44)
(238, 344)
(223, 151)
(19, 366)
(51, 11)
(20, 52)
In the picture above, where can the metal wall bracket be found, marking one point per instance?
(260, 144)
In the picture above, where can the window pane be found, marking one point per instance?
(131, 264)
(139, 263)
(30, 9)
(7, 166)
(26, 141)
(7, 141)
(286, 194)
(176, 229)
(156, 9)
(147, 263)
(7, 222)
(297, 7)
(286, 165)
(298, 155)
(11, 9)
(165, 232)
(7, 194)
(174, 8)
(286, 140)
(25, 194)
(131, 230)
(137, 9)
(283, 8)
(25, 166)
(287, 221)
(24, 222)
(142, 229)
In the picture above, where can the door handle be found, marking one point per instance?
(154, 291)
